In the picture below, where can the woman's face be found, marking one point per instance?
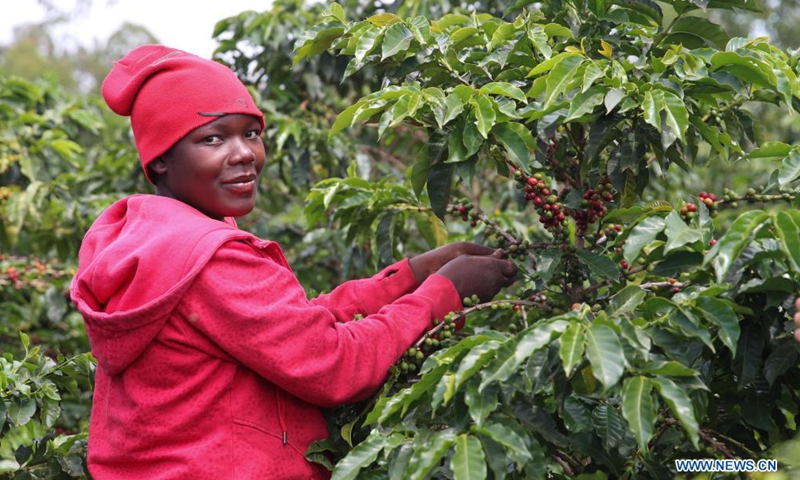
(215, 168)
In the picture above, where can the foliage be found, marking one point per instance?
(60, 165)
(31, 399)
(650, 323)
(642, 331)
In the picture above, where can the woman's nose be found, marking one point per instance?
(243, 152)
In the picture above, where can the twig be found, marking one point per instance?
(599, 285)
(649, 285)
(567, 468)
(719, 446)
(734, 442)
(481, 306)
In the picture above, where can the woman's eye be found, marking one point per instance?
(251, 134)
(212, 139)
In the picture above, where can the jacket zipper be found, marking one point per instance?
(279, 397)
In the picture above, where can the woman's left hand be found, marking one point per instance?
(430, 262)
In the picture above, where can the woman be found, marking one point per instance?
(211, 361)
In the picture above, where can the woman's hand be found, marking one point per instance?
(481, 275)
(797, 319)
(430, 262)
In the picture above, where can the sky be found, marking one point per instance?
(182, 24)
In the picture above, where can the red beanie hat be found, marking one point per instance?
(168, 93)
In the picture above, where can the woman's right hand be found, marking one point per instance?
(481, 275)
(797, 319)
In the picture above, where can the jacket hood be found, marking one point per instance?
(134, 265)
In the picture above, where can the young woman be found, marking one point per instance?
(212, 363)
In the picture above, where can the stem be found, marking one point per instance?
(661, 36)
(706, 435)
(649, 285)
(482, 306)
(735, 442)
(599, 285)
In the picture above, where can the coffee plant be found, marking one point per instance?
(642, 329)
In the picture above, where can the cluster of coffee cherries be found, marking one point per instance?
(710, 201)
(552, 213)
(594, 204)
(689, 211)
(515, 249)
(464, 210)
(731, 197)
(413, 357)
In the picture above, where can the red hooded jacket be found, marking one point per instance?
(212, 363)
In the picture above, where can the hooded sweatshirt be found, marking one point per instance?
(212, 363)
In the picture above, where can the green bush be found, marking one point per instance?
(642, 330)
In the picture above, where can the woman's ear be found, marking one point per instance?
(158, 166)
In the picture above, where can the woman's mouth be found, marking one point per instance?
(242, 185)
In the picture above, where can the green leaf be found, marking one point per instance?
(338, 12)
(528, 341)
(593, 73)
(475, 360)
(454, 106)
(746, 67)
(469, 461)
(605, 354)
(3, 415)
(790, 169)
(609, 426)
(561, 75)
(485, 116)
(366, 43)
(440, 181)
(384, 19)
(784, 356)
(688, 323)
(538, 38)
(771, 150)
(425, 385)
(572, 346)
(681, 406)
(626, 300)
(749, 353)
(345, 119)
(480, 403)
(424, 460)
(557, 30)
(639, 409)
(679, 234)
(362, 455)
(21, 411)
(697, 32)
(517, 141)
(643, 234)
(669, 368)
(548, 262)
(676, 115)
(397, 39)
(722, 314)
(464, 34)
(505, 89)
(384, 235)
(508, 438)
(730, 245)
(789, 233)
(600, 265)
(50, 411)
(584, 102)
